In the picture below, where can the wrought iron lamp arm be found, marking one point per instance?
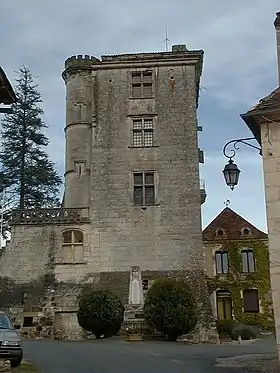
(237, 141)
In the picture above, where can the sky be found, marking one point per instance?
(240, 67)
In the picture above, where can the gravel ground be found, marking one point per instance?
(255, 363)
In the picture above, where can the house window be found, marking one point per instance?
(224, 305)
(248, 261)
(72, 246)
(251, 300)
(143, 132)
(144, 188)
(142, 84)
(221, 260)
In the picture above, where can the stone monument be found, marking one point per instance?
(134, 309)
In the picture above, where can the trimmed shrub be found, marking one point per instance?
(225, 327)
(101, 313)
(170, 306)
(246, 332)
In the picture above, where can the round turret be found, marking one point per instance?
(79, 62)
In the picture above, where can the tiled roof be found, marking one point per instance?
(270, 102)
(231, 224)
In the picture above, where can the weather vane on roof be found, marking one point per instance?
(166, 40)
(227, 202)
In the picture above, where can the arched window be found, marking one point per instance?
(72, 237)
(72, 246)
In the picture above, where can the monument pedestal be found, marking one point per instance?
(134, 321)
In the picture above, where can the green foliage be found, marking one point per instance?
(244, 331)
(225, 327)
(170, 306)
(27, 174)
(100, 312)
(236, 281)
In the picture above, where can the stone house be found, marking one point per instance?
(237, 267)
(263, 120)
(132, 192)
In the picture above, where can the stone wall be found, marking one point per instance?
(270, 135)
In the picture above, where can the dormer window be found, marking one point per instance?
(245, 231)
(220, 232)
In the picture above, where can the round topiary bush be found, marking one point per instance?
(100, 312)
(225, 327)
(246, 332)
(170, 306)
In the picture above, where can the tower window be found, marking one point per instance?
(142, 84)
(72, 246)
(144, 188)
(72, 237)
(143, 132)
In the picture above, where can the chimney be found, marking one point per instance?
(181, 47)
(277, 28)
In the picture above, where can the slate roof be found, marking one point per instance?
(232, 225)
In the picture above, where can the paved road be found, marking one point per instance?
(118, 356)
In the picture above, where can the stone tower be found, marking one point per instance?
(132, 156)
(132, 189)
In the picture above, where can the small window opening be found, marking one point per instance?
(28, 321)
(220, 232)
(145, 284)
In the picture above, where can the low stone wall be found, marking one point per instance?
(53, 306)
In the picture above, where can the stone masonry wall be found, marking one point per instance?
(270, 135)
(169, 233)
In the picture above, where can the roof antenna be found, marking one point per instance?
(227, 202)
(166, 40)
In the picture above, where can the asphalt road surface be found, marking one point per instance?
(119, 356)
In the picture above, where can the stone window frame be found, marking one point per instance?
(143, 130)
(226, 295)
(221, 253)
(245, 231)
(251, 310)
(220, 232)
(142, 83)
(250, 268)
(155, 184)
(73, 244)
(80, 167)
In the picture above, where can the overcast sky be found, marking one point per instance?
(238, 38)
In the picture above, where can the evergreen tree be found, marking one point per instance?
(26, 174)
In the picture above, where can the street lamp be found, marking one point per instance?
(231, 171)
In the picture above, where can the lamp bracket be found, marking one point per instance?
(235, 142)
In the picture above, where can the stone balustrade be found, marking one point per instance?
(50, 216)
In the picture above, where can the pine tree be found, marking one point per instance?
(27, 175)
